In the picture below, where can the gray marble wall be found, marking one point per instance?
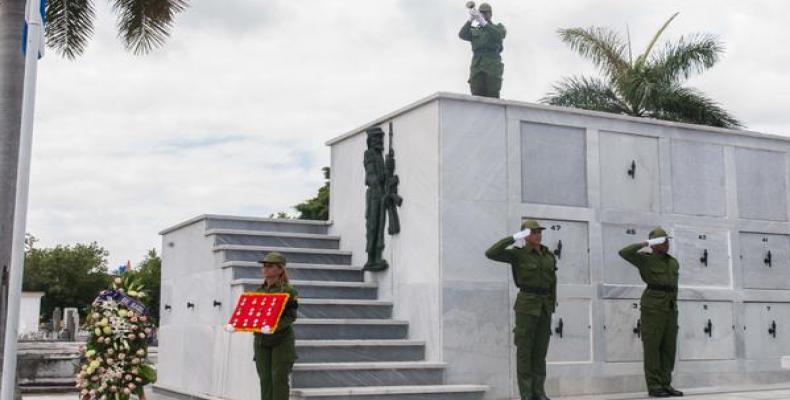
(478, 166)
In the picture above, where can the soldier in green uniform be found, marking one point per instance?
(485, 73)
(275, 352)
(534, 273)
(659, 310)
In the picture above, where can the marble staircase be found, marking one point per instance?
(348, 344)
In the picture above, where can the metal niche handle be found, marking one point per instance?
(632, 170)
(772, 329)
(190, 305)
(704, 258)
(558, 250)
(168, 307)
(709, 328)
(559, 329)
(217, 303)
(638, 328)
(768, 260)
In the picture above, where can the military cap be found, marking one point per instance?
(657, 232)
(532, 225)
(485, 7)
(374, 131)
(273, 258)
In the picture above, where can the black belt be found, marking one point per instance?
(663, 288)
(534, 290)
(486, 52)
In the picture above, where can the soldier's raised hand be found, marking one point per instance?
(522, 234)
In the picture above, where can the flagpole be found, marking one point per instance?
(33, 47)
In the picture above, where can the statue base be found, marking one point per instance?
(376, 266)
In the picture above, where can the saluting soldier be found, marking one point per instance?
(275, 352)
(485, 73)
(534, 273)
(659, 310)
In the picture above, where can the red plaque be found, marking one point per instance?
(255, 311)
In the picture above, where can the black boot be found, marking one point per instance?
(673, 392)
(658, 393)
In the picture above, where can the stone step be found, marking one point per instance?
(344, 329)
(317, 351)
(300, 272)
(273, 239)
(321, 290)
(235, 252)
(323, 375)
(47, 385)
(410, 392)
(266, 224)
(342, 308)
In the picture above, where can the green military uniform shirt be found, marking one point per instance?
(655, 269)
(486, 48)
(532, 268)
(284, 327)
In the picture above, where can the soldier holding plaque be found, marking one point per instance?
(275, 350)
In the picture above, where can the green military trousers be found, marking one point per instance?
(483, 84)
(532, 334)
(659, 341)
(274, 364)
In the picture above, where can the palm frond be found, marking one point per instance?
(653, 41)
(145, 24)
(586, 93)
(602, 46)
(677, 103)
(69, 26)
(693, 54)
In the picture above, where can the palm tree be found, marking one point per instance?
(649, 85)
(142, 25)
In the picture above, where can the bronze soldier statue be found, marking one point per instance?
(375, 215)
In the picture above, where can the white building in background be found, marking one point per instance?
(29, 312)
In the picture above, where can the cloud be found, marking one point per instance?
(231, 115)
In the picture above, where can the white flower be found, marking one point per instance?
(118, 281)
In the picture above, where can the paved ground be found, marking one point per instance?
(766, 392)
(769, 392)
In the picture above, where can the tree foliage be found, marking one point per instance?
(142, 24)
(69, 276)
(316, 208)
(149, 274)
(648, 85)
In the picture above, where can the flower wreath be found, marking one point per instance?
(115, 361)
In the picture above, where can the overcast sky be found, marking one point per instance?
(231, 115)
